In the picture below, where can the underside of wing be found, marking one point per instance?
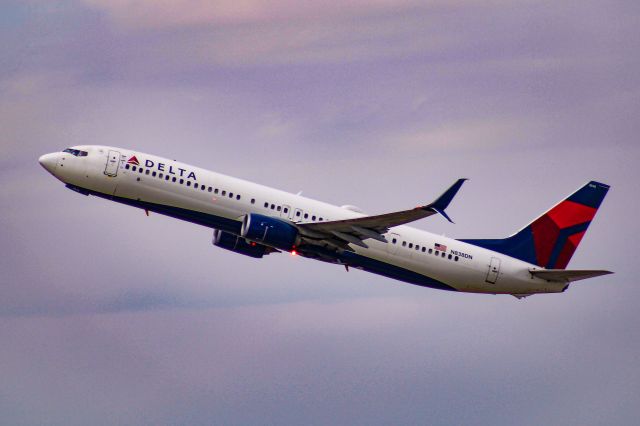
(340, 233)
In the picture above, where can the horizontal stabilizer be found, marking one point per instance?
(566, 275)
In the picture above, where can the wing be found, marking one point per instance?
(341, 233)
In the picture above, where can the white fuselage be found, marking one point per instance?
(220, 201)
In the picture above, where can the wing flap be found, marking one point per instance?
(349, 238)
(567, 275)
(367, 233)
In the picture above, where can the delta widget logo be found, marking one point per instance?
(169, 169)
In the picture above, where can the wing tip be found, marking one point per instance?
(444, 200)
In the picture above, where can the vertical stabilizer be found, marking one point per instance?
(550, 240)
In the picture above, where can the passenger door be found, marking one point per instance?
(113, 161)
(494, 270)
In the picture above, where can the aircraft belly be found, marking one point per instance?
(428, 267)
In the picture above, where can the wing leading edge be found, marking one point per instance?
(341, 233)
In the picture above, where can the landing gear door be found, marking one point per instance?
(494, 270)
(113, 162)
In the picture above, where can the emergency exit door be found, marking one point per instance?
(286, 211)
(393, 242)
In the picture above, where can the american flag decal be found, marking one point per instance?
(440, 247)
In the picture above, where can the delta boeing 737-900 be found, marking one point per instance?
(255, 220)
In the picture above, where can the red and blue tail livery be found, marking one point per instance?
(550, 240)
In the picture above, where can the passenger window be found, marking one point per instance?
(160, 175)
(306, 215)
(278, 208)
(437, 253)
(167, 177)
(174, 179)
(443, 254)
(224, 193)
(188, 183)
(313, 218)
(140, 170)
(238, 197)
(253, 201)
(181, 181)
(266, 205)
(404, 244)
(126, 167)
(430, 251)
(153, 174)
(286, 210)
(410, 245)
(424, 249)
(195, 185)
(449, 257)
(394, 241)
(202, 187)
(134, 168)
(215, 191)
(273, 206)
(456, 258)
(298, 213)
(231, 195)
(210, 189)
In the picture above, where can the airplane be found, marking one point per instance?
(256, 220)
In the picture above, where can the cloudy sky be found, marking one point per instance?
(110, 317)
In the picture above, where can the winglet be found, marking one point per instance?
(443, 201)
(443, 213)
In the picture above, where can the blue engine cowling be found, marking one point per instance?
(237, 244)
(270, 231)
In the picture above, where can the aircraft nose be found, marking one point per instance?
(49, 162)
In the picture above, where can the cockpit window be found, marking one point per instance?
(76, 152)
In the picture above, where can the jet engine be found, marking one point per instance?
(270, 231)
(237, 244)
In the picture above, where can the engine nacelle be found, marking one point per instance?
(237, 244)
(270, 231)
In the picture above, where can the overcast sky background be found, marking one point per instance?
(110, 317)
